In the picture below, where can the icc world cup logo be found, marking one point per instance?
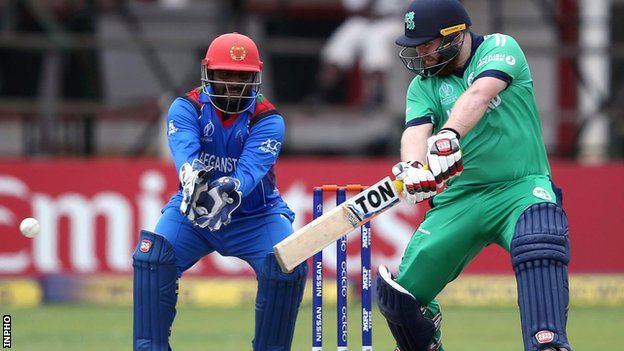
(238, 53)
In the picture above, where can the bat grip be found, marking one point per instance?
(398, 185)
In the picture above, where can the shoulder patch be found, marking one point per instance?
(193, 97)
(264, 108)
(194, 94)
(262, 105)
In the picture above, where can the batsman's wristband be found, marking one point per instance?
(451, 130)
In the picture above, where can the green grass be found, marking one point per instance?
(94, 328)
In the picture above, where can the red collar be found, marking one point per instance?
(226, 122)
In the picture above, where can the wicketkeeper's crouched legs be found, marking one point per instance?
(155, 292)
(414, 326)
(277, 304)
(540, 254)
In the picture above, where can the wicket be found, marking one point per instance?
(341, 277)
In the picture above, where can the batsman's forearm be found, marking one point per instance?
(472, 104)
(467, 112)
(414, 143)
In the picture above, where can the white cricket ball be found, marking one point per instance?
(30, 227)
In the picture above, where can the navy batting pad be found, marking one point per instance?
(540, 254)
(155, 292)
(277, 304)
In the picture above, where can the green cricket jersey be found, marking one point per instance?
(505, 169)
(507, 143)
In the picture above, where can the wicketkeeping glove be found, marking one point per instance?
(418, 182)
(444, 156)
(194, 179)
(217, 204)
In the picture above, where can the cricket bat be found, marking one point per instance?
(341, 220)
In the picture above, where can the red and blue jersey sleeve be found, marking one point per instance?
(183, 132)
(262, 147)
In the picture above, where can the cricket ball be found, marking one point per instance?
(30, 227)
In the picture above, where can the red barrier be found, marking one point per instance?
(91, 212)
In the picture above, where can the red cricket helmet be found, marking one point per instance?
(231, 52)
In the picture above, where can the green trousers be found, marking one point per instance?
(461, 223)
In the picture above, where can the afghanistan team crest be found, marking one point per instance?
(238, 52)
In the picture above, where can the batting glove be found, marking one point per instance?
(418, 182)
(444, 156)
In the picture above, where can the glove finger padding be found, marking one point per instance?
(194, 179)
(431, 185)
(399, 170)
(427, 183)
(197, 212)
(459, 163)
(221, 201)
(435, 168)
(418, 182)
(203, 220)
(412, 191)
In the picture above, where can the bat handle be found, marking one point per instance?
(398, 184)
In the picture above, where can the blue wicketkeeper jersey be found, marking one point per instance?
(244, 146)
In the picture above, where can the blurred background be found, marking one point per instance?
(92, 78)
(84, 86)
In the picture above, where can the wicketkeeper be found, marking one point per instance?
(225, 138)
(471, 117)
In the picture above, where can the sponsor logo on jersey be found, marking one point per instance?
(209, 130)
(221, 164)
(541, 193)
(447, 94)
(491, 58)
(424, 231)
(270, 146)
(239, 137)
(544, 336)
(146, 245)
(172, 128)
(445, 89)
(509, 59)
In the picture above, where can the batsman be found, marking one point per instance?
(471, 117)
(225, 138)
